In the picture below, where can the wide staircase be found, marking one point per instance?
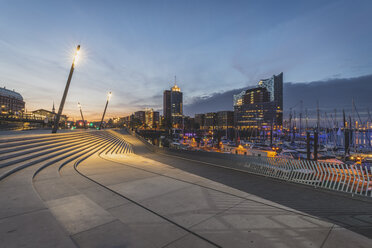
(35, 169)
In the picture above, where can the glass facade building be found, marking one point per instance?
(262, 106)
(173, 107)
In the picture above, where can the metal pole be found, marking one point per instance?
(315, 145)
(103, 116)
(308, 152)
(82, 117)
(104, 112)
(61, 105)
(271, 133)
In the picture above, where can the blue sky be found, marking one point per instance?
(135, 48)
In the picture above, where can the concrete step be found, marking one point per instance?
(27, 140)
(21, 152)
(22, 146)
(11, 159)
(54, 157)
(22, 163)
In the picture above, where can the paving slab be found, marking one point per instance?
(146, 188)
(119, 176)
(148, 225)
(71, 179)
(17, 198)
(51, 189)
(103, 197)
(112, 234)
(255, 225)
(191, 205)
(188, 241)
(78, 213)
(35, 229)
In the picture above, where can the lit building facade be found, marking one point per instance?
(151, 118)
(262, 106)
(140, 116)
(199, 120)
(167, 109)
(210, 121)
(48, 115)
(225, 119)
(173, 107)
(11, 102)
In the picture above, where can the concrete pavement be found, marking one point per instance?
(101, 197)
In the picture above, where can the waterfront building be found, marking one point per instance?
(151, 118)
(262, 106)
(173, 107)
(225, 119)
(210, 121)
(140, 116)
(189, 123)
(156, 119)
(128, 120)
(48, 116)
(199, 120)
(11, 102)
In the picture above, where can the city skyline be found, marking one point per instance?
(137, 49)
(186, 123)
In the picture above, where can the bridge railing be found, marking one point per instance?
(354, 179)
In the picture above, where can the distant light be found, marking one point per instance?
(109, 96)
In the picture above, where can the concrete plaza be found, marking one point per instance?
(107, 189)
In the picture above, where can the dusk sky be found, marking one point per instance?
(135, 48)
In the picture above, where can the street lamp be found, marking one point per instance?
(104, 112)
(81, 113)
(56, 120)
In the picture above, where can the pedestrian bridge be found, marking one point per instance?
(112, 189)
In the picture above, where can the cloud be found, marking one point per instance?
(331, 94)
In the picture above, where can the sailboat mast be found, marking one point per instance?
(290, 122)
(346, 134)
(307, 119)
(301, 118)
(318, 116)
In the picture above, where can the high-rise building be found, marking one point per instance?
(173, 106)
(262, 106)
(167, 110)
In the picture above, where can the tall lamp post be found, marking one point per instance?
(81, 113)
(56, 120)
(104, 112)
